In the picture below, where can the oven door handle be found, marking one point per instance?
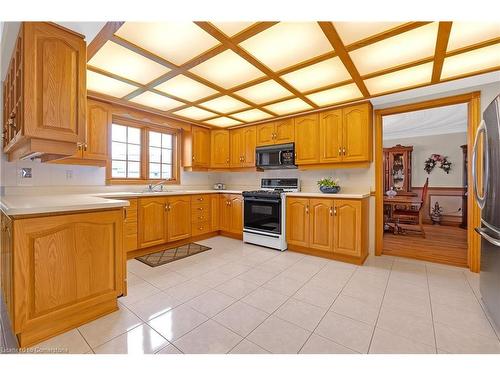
(262, 200)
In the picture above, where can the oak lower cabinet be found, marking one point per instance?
(64, 271)
(333, 228)
(130, 226)
(45, 93)
(231, 214)
(163, 219)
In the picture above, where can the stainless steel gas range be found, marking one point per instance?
(264, 212)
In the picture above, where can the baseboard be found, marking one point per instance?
(328, 255)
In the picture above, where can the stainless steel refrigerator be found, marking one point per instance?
(489, 201)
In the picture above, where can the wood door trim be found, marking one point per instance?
(472, 99)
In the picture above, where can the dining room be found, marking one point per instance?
(425, 183)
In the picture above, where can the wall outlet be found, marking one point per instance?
(69, 174)
(26, 173)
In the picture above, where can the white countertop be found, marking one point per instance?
(323, 195)
(44, 204)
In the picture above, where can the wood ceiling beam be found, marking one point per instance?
(233, 45)
(102, 37)
(334, 39)
(443, 36)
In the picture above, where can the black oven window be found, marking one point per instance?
(264, 216)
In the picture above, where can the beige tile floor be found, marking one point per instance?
(240, 298)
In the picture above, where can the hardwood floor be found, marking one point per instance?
(443, 244)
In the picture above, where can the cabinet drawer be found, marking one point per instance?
(200, 198)
(199, 217)
(200, 208)
(200, 228)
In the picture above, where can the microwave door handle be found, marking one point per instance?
(487, 237)
(481, 200)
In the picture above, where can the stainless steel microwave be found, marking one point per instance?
(275, 156)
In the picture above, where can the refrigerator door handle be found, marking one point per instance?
(487, 237)
(481, 200)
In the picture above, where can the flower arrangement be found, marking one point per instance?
(434, 159)
(329, 185)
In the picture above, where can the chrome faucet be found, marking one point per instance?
(152, 187)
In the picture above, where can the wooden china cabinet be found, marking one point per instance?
(397, 169)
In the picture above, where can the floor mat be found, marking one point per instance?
(170, 255)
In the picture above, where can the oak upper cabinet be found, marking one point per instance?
(265, 134)
(45, 93)
(277, 132)
(307, 139)
(231, 213)
(178, 217)
(297, 221)
(346, 235)
(321, 224)
(219, 149)
(201, 147)
(68, 270)
(357, 133)
(152, 221)
(242, 147)
(330, 139)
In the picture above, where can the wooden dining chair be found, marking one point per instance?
(411, 216)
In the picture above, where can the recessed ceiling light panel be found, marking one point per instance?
(318, 75)
(288, 106)
(400, 79)
(351, 32)
(150, 99)
(264, 92)
(288, 43)
(194, 113)
(336, 95)
(232, 28)
(227, 69)
(185, 88)
(223, 122)
(464, 34)
(177, 42)
(404, 48)
(251, 115)
(472, 61)
(125, 63)
(224, 104)
(109, 86)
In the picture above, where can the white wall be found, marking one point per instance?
(423, 147)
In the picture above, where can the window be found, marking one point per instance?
(125, 152)
(142, 152)
(160, 155)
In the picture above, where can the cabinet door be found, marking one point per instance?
(347, 227)
(66, 264)
(307, 139)
(236, 213)
(284, 132)
(201, 147)
(179, 218)
(219, 149)
(265, 134)
(6, 264)
(98, 124)
(236, 154)
(248, 146)
(357, 139)
(297, 221)
(330, 135)
(321, 224)
(55, 93)
(152, 216)
(225, 213)
(214, 212)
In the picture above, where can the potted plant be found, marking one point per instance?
(329, 185)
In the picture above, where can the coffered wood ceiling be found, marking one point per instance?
(233, 73)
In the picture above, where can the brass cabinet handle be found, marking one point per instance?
(335, 211)
(227, 160)
(200, 217)
(85, 147)
(200, 228)
(167, 207)
(340, 151)
(307, 209)
(344, 151)
(200, 199)
(200, 208)
(331, 211)
(193, 157)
